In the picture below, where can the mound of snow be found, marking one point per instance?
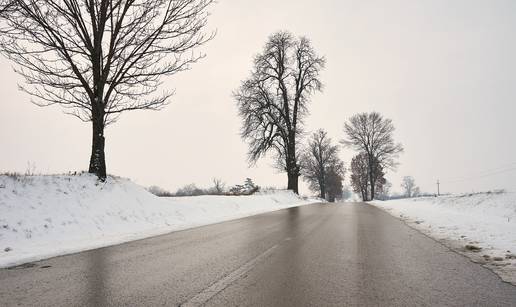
(46, 216)
(484, 220)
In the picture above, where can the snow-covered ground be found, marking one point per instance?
(481, 226)
(46, 216)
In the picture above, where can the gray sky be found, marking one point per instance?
(443, 71)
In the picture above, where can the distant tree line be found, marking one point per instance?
(273, 103)
(218, 188)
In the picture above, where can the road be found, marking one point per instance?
(316, 255)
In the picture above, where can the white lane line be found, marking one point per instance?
(205, 295)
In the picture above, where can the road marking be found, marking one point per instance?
(205, 295)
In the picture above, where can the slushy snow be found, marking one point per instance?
(463, 222)
(46, 216)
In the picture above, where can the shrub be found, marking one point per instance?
(160, 192)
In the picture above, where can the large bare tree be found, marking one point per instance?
(372, 134)
(274, 100)
(320, 161)
(99, 58)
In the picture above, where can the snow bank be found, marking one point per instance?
(46, 216)
(464, 222)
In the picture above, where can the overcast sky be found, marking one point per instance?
(443, 71)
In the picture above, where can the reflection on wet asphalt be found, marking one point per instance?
(97, 278)
(317, 255)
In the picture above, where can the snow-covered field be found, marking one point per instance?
(481, 226)
(46, 216)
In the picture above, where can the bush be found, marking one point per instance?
(248, 188)
(159, 191)
(190, 190)
(218, 188)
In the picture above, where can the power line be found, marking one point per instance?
(500, 171)
(505, 168)
(484, 173)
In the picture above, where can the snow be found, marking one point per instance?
(485, 220)
(46, 216)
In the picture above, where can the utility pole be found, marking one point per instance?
(438, 192)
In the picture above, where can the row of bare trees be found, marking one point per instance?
(273, 103)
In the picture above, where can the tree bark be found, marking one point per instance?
(323, 191)
(293, 180)
(371, 177)
(364, 194)
(291, 163)
(97, 159)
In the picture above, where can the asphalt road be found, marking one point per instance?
(317, 255)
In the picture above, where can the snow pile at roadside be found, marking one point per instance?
(45, 216)
(481, 226)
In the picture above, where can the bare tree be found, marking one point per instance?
(334, 187)
(416, 192)
(318, 159)
(371, 134)
(274, 100)
(383, 190)
(218, 186)
(408, 184)
(380, 182)
(100, 58)
(360, 177)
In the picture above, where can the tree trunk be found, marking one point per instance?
(97, 159)
(291, 163)
(371, 177)
(323, 190)
(293, 179)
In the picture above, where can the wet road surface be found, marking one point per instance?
(316, 255)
